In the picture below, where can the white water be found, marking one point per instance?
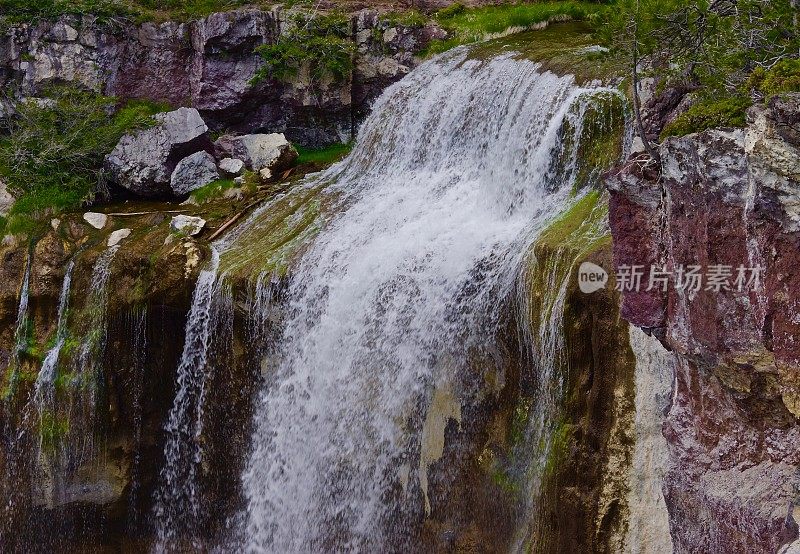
(20, 334)
(459, 165)
(177, 504)
(43, 393)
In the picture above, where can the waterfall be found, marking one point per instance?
(43, 392)
(454, 174)
(21, 331)
(177, 504)
(138, 323)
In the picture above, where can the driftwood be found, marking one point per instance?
(232, 220)
(123, 214)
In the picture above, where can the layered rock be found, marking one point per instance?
(724, 199)
(210, 64)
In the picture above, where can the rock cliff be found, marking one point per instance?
(209, 64)
(726, 202)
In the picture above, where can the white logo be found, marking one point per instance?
(591, 277)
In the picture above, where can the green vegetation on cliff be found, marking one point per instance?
(709, 114)
(51, 153)
(321, 43)
(468, 25)
(26, 11)
(729, 53)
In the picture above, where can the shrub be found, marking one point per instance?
(322, 41)
(784, 76)
(708, 114)
(52, 156)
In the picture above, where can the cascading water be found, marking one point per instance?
(453, 175)
(43, 392)
(21, 331)
(426, 225)
(137, 322)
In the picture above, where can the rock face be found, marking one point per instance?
(724, 198)
(258, 151)
(144, 161)
(192, 172)
(209, 64)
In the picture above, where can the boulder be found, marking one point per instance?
(187, 224)
(231, 166)
(258, 151)
(143, 162)
(192, 172)
(116, 237)
(96, 220)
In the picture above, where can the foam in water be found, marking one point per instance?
(457, 168)
(426, 223)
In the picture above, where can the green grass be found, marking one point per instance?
(468, 25)
(322, 156)
(26, 11)
(212, 190)
(52, 155)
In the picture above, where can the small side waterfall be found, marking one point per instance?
(21, 331)
(177, 504)
(43, 392)
(137, 321)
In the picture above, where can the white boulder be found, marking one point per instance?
(258, 151)
(231, 166)
(116, 237)
(143, 162)
(187, 224)
(95, 219)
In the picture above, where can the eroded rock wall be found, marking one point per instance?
(723, 198)
(209, 64)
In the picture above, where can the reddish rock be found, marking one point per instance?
(729, 198)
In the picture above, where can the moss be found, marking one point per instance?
(560, 439)
(709, 114)
(277, 233)
(212, 190)
(468, 25)
(582, 228)
(783, 77)
(323, 156)
(563, 48)
(52, 430)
